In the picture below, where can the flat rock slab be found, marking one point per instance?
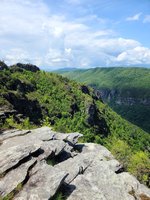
(75, 166)
(97, 148)
(43, 183)
(12, 133)
(13, 155)
(11, 180)
(44, 134)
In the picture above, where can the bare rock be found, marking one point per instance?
(71, 138)
(12, 133)
(15, 177)
(43, 183)
(53, 147)
(75, 166)
(12, 156)
(85, 171)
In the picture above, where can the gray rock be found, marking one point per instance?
(72, 138)
(12, 133)
(53, 147)
(14, 177)
(100, 182)
(9, 157)
(91, 173)
(43, 183)
(75, 166)
(44, 134)
(132, 184)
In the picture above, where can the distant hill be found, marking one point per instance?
(126, 90)
(32, 98)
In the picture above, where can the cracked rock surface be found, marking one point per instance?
(39, 163)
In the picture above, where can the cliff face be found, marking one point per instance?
(42, 164)
(133, 107)
(117, 97)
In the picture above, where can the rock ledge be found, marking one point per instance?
(36, 164)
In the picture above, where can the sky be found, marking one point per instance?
(55, 34)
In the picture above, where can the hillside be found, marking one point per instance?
(126, 90)
(33, 98)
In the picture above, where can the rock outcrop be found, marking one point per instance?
(38, 164)
(29, 67)
(3, 65)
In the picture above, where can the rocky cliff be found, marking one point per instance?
(41, 164)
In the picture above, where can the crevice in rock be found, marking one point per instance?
(50, 160)
(22, 161)
(19, 187)
(132, 192)
(61, 157)
(79, 147)
(37, 153)
(28, 173)
(56, 159)
(120, 170)
(81, 171)
(53, 138)
(64, 191)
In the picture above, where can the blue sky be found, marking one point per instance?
(75, 33)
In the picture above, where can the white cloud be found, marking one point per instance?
(137, 55)
(31, 33)
(146, 19)
(16, 55)
(134, 17)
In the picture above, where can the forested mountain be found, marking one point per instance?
(126, 90)
(33, 98)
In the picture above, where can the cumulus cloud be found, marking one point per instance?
(31, 32)
(15, 55)
(137, 55)
(135, 17)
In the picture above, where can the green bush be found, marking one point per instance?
(139, 165)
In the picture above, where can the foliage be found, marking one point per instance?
(125, 83)
(11, 123)
(58, 196)
(121, 150)
(139, 165)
